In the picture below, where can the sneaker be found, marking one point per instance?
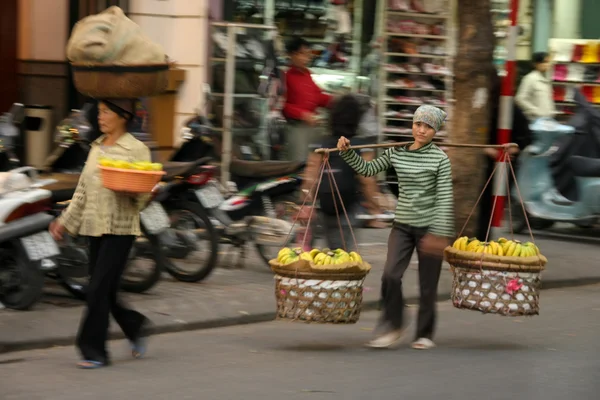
(423, 344)
(387, 340)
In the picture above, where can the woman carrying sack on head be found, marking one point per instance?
(424, 219)
(110, 221)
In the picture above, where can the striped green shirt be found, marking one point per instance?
(425, 197)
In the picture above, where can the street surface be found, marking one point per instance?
(554, 356)
(232, 296)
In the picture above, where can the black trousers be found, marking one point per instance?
(401, 243)
(108, 258)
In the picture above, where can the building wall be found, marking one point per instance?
(41, 42)
(567, 19)
(181, 27)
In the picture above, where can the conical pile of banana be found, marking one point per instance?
(501, 247)
(316, 260)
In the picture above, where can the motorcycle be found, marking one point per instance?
(253, 214)
(180, 244)
(559, 175)
(27, 251)
(61, 170)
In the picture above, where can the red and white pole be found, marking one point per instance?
(505, 119)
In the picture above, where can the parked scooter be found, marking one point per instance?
(182, 242)
(544, 203)
(253, 214)
(61, 171)
(27, 250)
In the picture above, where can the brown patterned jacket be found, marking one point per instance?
(95, 210)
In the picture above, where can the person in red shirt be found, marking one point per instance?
(303, 98)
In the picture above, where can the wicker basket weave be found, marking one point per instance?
(120, 81)
(128, 180)
(326, 297)
(492, 284)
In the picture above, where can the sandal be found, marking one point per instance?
(90, 364)
(423, 344)
(139, 347)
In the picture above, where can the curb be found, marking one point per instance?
(369, 305)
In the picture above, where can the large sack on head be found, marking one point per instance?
(112, 38)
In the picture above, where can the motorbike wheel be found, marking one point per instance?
(25, 279)
(282, 211)
(520, 224)
(150, 247)
(147, 246)
(198, 217)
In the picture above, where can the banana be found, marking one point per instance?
(507, 247)
(518, 250)
(314, 252)
(497, 249)
(283, 251)
(529, 251)
(535, 249)
(306, 256)
(319, 258)
(354, 256)
(510, 249)
(503, 240)
(488, 248)
(461, 243)
(327, 260)
(473, 245)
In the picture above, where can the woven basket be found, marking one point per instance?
(127, 180)
(507, 286)
(322, 297)
(120, 81)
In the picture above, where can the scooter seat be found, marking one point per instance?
(585, 167)
(264, 169)
(63, 189)
(176, 169)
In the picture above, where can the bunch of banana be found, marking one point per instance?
(462, 243)
(514, 248)
(328, 257)
(492, 248)
(287, 256)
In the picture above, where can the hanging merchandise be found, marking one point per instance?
(559, 93)
(577, 52)
(575, 72)
(342, 16)
(560, 72)
(590, 52)
(564, 52)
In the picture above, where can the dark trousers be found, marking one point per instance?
(401, 244)
(108, 258)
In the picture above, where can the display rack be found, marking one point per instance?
(416, 68)
(313, 21)
(576, 64)
(238, 111)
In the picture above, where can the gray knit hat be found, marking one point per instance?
(430, 115)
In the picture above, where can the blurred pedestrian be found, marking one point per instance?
(303, 98)
(424, 219)
(110, 221)
(535, 95)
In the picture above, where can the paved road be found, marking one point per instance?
(554, 356)
(231, 296)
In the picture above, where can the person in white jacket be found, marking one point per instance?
(534, 96)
